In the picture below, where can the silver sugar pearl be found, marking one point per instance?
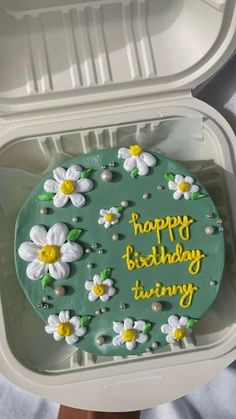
(106, 176)
(43, 211)
(154, 345)
(89, 265)
(103, 166)
(124, 204)
(209, 230)
(94, 246)
(87, 250)
(160, 187)
(59, 291)
(148, 349)
(123, 306)
(221, 228)
(45, 298)
(98, 312)
(219, 221)
(103, 310)
(115, 237)
(100, 251)
(146, 195)
(46, 306)
(75, 219)
(209, 215)
(39, 305)
(213, 283)
(100, 340)
(112, 164)
(156, 306)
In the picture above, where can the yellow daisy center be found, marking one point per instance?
(67, 187)
(184, 186)
(99, 289)
(64, 329)
(129, 335)
(135, 150)
(49, 253)
(110, 217)
(179, 334)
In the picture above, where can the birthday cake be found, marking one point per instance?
(120, 251)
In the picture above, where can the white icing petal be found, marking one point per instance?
(36, 269)
(53, 320)
(107, 224)
(60, 200)
(50, 329)
(166, 328)
(77, 199)
(189, 179)
(71, 252)
(142, 166)
(111, 291)
(59, 174)
(130, 164)
(139, 325)
(104, 298)
(38, 235)
(64, 316)
(117, 341)
(59, 270)
(194, 188)
(114, 222)
(170, 339)
(103, 212)
(172, 185)
(73, 172)
(142, 338)
(51, 186)
(177, 194)
(71, 339)
(148, 158)
(187, 195)
(84, 185)
(108, 282)
(173, 321)
(57, 234)
(80, 331)
(128, 324)
(118, 327)
(92, 296)
(123, 153)
(28, 251)
(89, 285)
(179, 179)
(183, 321)
(97, 279)
(57, 337)
(75, 321)
(101, 220)
(130, 345)
(113, 210)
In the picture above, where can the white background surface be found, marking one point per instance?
(216, 400)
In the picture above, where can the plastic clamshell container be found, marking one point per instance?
(84, 75)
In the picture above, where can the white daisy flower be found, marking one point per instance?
(135, 157)
(129, 332)
(100, 289)
(68, 185)
(182, 186)
(109, 217)
(48, 252)
(176, 329)
(63, 327)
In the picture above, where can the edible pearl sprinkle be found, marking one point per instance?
(156, 306)
(100, 251)
(146, 195)
(43, 211)
(123, 306)
(46, 306)
(112, 164)
(213, 283)
(160, 187)
(45, 298)
(115, 236)
(154, 345)
(103, 166)
(103, 310)
(97, 312)
(221, 228)
(210, 215)
(87, 250)
(59, 291)
(209, 230)
(39, 305)
(100, 340)
(148, 349)
(94, 246)
(219, 221)
(124, 204)
(75, 219)
(106, 176)
(89, 266)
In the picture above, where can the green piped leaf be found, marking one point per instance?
(169, 176)
(105, 273)
(46, 280)
(197, 195)
(47, 196)
(85, 174)
(191, 323)
(147, 328)
(74, 234)
(85, 320)
(134, 173)
(119, 209)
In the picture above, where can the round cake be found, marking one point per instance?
(120, 251)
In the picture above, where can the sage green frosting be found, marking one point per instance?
(159, 204)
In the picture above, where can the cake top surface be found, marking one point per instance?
(120, 251)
